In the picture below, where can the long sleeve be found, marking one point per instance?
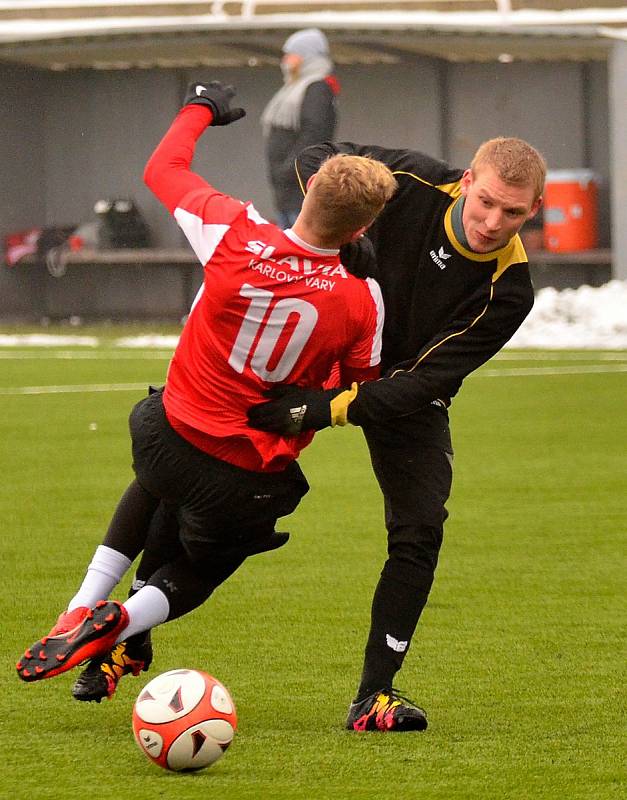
(202, 211)
(429, 169)
(473, 335)
(167, 173)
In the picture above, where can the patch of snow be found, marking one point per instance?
(582, 318)
(148, 340)
(46, 340)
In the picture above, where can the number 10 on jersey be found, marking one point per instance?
(264, 322)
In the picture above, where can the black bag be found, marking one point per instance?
(121, 224)
(53, 236)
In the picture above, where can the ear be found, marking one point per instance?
(466, 181)
(310, 180)
(535, 207)
(358, 234)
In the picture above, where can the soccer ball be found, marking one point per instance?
(184, 719)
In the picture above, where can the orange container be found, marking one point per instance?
(570, 210)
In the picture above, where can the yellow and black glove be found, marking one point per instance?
(294, 409)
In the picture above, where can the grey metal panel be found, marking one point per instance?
(618, 143)
(391, 105)
(118, 292)
(22, 176)
(598, 141)
(541, 103)
(100, 130)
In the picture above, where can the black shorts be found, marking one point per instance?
(222, 509)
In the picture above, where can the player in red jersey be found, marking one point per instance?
(276, 307)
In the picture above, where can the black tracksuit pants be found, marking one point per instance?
(412, 459)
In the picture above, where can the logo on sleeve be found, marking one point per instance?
(440, 257)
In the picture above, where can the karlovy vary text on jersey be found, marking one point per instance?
(292, 268)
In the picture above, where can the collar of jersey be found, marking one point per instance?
(301, 243)
(464, 251)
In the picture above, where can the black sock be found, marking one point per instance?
(396, 609)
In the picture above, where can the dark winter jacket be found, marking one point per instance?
(318, 120)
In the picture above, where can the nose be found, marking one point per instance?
(494, 219)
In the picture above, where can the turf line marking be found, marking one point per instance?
(486, 373)
(81, 355)
(555, 355)
(574, 370)
(78, 389)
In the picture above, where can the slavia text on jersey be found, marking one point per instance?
(302, 266)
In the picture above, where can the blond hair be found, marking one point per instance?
(514, 161)
(348, 193)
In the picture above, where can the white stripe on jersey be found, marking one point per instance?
(199, 294)
(203, 237)
(375, 291)
(254, 215)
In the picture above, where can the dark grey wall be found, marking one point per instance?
(71, 138)
(538, 102)
(22, 172)
(397, 107)
(595, 90)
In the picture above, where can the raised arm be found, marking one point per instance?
(167, 173)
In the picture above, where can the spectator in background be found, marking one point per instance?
(303, 112)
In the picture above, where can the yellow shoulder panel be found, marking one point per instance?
(514, 253)
(452, 189)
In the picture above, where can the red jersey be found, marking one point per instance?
(271, 309)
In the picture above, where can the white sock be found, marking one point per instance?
(106, 570)
(146, 609)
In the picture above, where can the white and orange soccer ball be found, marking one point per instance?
(184, 719)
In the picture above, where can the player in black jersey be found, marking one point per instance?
(456, 286)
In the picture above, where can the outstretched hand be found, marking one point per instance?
(218, 98)
(293, 409)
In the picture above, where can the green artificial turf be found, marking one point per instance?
(519, 656)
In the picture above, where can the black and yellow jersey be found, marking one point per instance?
(447, 309)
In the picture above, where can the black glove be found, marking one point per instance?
(293, 409)
(359, 258)
(218, 98)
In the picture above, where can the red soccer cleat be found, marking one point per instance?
(70, 619)
(93, 634)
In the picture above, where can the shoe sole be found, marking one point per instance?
(93, 637)
(398, 727)
(386, 720)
